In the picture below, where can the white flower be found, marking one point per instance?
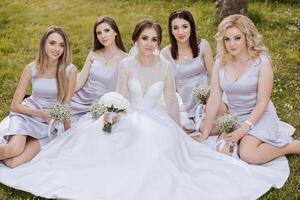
(114, 103)
(227, 123)
(114, 99)
(97, 110)
(60, 112)
(201, 93)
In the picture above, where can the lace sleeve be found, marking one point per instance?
(170, 95)
(122, 87)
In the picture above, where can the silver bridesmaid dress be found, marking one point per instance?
(102, 79)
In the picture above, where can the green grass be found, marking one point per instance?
(23, 22)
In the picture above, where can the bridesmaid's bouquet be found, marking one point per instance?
(201, 93)
(60, 113)
(226, 124)
(114, 103)
(97, 110)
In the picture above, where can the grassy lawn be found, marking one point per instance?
(23, 21)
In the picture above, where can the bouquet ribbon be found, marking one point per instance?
(199, 116)
(220, 145)
(55, 128)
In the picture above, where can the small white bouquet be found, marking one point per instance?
(60, 113)
(114, 103)
(201, 93)
(97, 110)
(226, 124)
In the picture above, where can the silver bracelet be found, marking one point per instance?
(251, 126)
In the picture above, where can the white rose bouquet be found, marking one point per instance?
(60, 113)
(114, 103)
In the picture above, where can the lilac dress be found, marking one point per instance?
(102, 79)
(242, 98)
(44, 95)
(189, 75)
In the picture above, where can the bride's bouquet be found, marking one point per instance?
(60, 113)
(226, 124)
(113, 103)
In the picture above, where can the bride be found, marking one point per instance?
(147, 155)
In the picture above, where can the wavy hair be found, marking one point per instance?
(254, 43)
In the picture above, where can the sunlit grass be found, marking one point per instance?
(23, 22)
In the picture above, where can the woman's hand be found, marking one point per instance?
(45, 115)
(188, 130)
(201, 137)
(106, 119)
(236, 135)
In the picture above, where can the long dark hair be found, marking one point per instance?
(186, 15)
(147, 23)
(114, 26)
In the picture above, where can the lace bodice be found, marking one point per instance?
(143, 86)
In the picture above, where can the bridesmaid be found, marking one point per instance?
(53, 79)
(99, 73)
(244, 72)
(192, 59)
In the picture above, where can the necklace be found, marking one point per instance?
(108, 58)
(185, 55)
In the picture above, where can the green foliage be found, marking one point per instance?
(22, 23)
(255, 16)
(292, 2)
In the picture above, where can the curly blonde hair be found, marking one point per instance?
(246, 26)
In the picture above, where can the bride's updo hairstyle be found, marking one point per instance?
(144, 24)
(245, 25)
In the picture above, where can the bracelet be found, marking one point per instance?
(251, 126)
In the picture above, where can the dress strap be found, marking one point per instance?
(201, 47)
(69, 68)
(33, 70)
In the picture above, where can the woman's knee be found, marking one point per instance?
(15, 150)
(249, 157)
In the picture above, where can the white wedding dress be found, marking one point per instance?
(146, 157)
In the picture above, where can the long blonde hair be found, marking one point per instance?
(63, 61)
(246, 26)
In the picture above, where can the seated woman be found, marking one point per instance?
(191, 59)
(244, 72)
(99, 73)
(53, 79)
(147, 155)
